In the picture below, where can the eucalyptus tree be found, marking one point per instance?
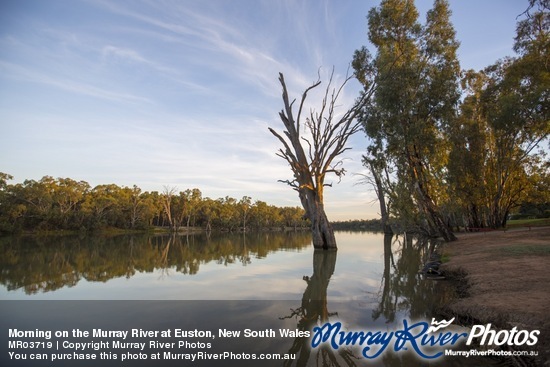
(68, 195)
(100, 205)
(312, 147)
(519, 104)
(4, 178)
(227, 211)
(292, 216)
(193, 198)
(244, 208)
(259, 214)
(11, 209)
(36, 196)
(380, 181)
(135, 208)
(207, 212)
(148, 208)
(166, 199)
(504, 118)
(467, 168)
(415, 71)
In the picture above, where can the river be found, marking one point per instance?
(253, 281)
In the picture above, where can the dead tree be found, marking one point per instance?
(312, 153)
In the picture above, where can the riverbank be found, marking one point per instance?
(502, 278)
(113, 231)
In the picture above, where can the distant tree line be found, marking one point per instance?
(530, 210)
(373, 225)
(66, 204)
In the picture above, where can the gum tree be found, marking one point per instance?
(504, 120)
(312, 144)
(416, 74)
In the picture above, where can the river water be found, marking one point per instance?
(235, 280)
(366, 271)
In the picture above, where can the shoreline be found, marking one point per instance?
(502, 278)
(153, 231)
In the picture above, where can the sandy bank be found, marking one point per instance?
(504, 279)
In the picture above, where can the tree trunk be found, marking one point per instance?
(321, 230)
(379, 189)
(434, 216)
(424, 199)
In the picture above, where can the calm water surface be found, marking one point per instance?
(367, 270)
(372, 280)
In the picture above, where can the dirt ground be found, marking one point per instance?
(504, 279)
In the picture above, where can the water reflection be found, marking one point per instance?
(404, 293)
(314, 311)
(371, 283)
(44, 264)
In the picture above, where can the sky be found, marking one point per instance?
(180, 94)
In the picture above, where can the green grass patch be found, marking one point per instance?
(528, 223)
(445, 258)
(519, 249)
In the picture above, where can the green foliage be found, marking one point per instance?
(415, 73)
(495, 167)
(373, 225)
(65, 204)
(463, 154)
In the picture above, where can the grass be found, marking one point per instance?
(528, 223)
(445, 258)
(520, 249)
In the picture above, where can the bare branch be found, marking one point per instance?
(326, 141)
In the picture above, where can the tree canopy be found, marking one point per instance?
(65, 204)
(450, 147)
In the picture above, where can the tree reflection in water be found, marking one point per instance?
(313, 312)
(404, 293)
(44, 264)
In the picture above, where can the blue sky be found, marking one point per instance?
(181, 93)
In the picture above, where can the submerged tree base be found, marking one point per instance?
(322, 232)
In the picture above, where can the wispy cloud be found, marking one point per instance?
(112, 52)
(235, 49)
(20, 72)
